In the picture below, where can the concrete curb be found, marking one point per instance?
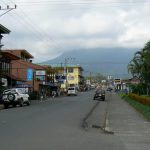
(107, 128)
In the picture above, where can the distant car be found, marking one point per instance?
(14, 97)
(99, 94)
(109, 89)
(72, 91)
(92, 86)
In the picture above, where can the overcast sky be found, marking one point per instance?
(47, 28)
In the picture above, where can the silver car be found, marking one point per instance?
(14, 97)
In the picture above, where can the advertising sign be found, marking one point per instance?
(40, 72)
(30, 74)
(60, 78)
(117, 81)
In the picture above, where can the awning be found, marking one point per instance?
(49, 84)
(23, 86)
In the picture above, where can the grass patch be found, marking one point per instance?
(144, 109)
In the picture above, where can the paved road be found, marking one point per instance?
(53, 125)
(56, 125)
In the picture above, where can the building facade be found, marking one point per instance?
(28, 75)
(70, 75)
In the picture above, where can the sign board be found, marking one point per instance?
(30, 74)
(117, 81)
(4, 81)
(40, 72)
(60, 78)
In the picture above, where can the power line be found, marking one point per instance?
(81, 2)
(7, 9)
(42, 36)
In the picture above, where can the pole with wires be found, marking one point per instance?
(7, 9)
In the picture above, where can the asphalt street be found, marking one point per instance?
(56, 124)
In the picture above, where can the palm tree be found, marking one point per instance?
(140, 64)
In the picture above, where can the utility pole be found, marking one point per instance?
(65, 72)
(7, 9)
(90, 77)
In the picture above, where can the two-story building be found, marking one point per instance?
(70, 75)
(6, 78)
(28, 74)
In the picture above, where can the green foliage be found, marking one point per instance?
(141, 89)
(140, 64)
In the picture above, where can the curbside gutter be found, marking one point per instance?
(106, 126)
(84, 122)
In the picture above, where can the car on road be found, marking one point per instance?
(109, 89)
(99, 94)
(72, 91)
(15, 96)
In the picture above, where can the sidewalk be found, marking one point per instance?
(123, 117)
(128, 124)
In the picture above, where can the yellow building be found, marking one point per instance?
(74, 76)
(68, 75)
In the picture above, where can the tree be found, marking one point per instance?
(140, 64)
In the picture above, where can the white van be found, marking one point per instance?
(72, 91)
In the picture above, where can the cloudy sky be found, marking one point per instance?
(47, 28)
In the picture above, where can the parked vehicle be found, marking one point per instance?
(99, 94)
(15, 96)
(72, 91)
(109, 89)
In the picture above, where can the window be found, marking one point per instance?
(70, 70)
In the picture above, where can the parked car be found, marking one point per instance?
(15, 96)
(109, 89)
(72, 91)
(99, 94)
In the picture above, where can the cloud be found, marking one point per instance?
(47, 30)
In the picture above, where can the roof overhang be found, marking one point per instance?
(26, 53)
(4, 30)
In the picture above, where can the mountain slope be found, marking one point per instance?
(107, 61)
